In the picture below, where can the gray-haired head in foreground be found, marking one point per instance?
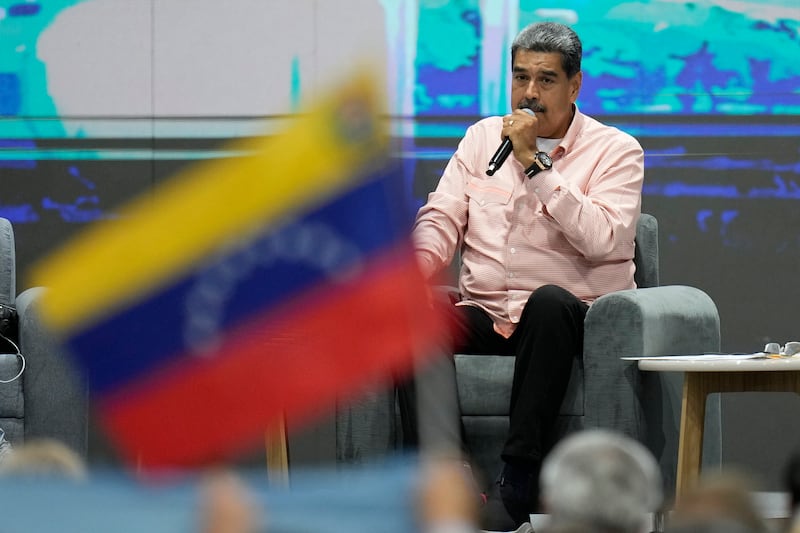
(602, 479)
(551, 37)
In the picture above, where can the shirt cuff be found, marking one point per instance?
(427, 264)
(545, 184)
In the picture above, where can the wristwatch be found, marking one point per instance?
(541, 161)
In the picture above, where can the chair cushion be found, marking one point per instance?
(366, 426)
(484, 385)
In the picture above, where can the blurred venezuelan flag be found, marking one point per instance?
(246, 289)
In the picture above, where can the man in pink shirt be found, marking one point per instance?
(540, 238)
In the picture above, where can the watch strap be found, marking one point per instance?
(537, 166)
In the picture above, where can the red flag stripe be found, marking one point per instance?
(286, 362)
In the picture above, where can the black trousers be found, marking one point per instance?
(548, 337)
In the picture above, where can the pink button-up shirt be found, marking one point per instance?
(572, 226)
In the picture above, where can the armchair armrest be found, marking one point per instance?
(668, 320)
(56, 400)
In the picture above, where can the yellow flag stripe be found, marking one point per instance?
(159, 235)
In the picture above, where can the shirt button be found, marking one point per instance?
(535, 189)
(514, 318)
(510, 274)
(513, 250)
(483, 202)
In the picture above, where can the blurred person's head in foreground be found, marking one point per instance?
(720, 501)
(227, 506)
(600, 481)
(43, 458)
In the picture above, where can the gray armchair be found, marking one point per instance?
(46, 400)
(605, 391)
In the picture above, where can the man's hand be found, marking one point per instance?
(522, 128)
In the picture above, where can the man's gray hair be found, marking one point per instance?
(603, 479)
(550, 37)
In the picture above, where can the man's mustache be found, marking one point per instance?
(533, 105)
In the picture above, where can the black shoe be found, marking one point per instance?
(506, 506)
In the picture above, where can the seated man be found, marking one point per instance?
(541, 235)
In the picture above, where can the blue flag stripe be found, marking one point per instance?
(246, 280)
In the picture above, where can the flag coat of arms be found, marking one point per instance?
(245, 289)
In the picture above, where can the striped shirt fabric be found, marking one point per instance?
(572, 226)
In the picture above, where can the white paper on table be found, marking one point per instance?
(700, 357)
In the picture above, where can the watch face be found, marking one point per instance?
(545, 159)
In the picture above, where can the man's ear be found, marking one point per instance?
(575, 85)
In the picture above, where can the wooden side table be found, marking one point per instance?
(703, 377)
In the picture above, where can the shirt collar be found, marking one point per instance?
(573, 131)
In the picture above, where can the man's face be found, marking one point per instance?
(540, 84)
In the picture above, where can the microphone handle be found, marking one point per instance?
(500, 156)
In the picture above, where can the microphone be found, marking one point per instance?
(502, 152)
